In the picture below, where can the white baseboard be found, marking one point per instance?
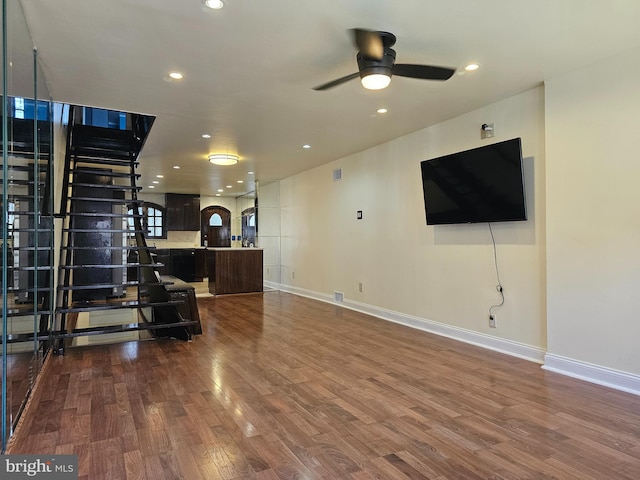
(509, 347)
(268, 285)
(566, 366)
(592, 373)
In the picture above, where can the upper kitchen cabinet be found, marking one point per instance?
(183, 211)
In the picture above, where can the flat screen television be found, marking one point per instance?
(483, 184)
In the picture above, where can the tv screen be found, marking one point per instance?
(484, 184)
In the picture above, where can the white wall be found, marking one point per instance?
(593, 222)
(570, 273)
(410, 272)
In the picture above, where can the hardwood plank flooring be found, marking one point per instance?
(283, 387)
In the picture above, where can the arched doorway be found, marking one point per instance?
(215, 227)
(249, 227)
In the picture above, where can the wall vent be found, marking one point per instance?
(337, 175)
(338, 297)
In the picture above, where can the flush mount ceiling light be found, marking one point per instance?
(176, 75)
(214, 4)
(223, 159)
(471, 67)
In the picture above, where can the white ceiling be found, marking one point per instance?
(249, 70)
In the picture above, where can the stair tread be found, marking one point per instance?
(96, 286)
(102, 230)
(121, 328)
(101, 214)
(124, 265)
(125, 304)
(104, 186)
(124, 247)
(106, 173)
(125, 327)
(99, 160)
(116, 201)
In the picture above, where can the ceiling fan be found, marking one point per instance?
(376, 63)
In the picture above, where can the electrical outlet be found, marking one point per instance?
(492, 321)
(360, 288)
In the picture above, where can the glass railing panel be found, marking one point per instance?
(26, 239)
(268, 231)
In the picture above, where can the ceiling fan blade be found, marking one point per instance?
(337, 82)
(369, 43)
(426, 72)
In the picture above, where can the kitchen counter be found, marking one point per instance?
(234, 270)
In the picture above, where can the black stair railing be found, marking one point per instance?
(102, 224)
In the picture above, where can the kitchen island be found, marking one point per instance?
(234, 270)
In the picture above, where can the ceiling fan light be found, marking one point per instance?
(223, 159)
(375, 81)
(214, 4)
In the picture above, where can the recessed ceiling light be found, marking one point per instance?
(249, 173)
(214, 4)
(177, 167)
(159, 176)
(152, 186)
(218, 195)
(221, 189)
(382, 110)
(155, 182)
(229, 186)
(306, 146)
(206, 135)
(471, 67)
(240, 181)
(176, 75)
(223, 159)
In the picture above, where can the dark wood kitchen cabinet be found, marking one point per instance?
(183, 264)
(162, 256)
(183, 212)
(188, 264)
(201, 264)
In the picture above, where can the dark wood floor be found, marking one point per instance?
(20, 375)
(283, 387)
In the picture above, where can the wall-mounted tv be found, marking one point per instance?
(484, 184)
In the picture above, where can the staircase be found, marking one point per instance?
(102, 226)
